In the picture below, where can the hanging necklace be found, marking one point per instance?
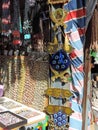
(16, 23)
(31, 2)
(6, 20)
(27, 24)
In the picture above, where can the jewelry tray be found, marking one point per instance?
(5, 122)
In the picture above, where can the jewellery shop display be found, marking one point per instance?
(59, 50)
(10, 120)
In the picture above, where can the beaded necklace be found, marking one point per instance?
(16, 23)
(6, 18)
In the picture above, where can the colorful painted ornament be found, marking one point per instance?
(58, 17)
(61, 75)
(60, 61)
(58, 93)
(51, 109)
(60, 118)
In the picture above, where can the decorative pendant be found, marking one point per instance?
(64, 75)
(60, 118)
(27, 30)
(52, 48)
(60, 61)
(51, 109)
(16, 37)
(67, 47)
(58, 17)
(58, 93)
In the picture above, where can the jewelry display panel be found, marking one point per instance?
(30, 114)
(10, 120)
(10, 105)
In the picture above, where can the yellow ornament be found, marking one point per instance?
(67, 47)
(58, 16)
(58, 93)
(51, 109)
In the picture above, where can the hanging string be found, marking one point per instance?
(27, 29)
(6, 18)
(16, 23)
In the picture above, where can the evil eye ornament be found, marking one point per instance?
(61, 60)
(60, 118)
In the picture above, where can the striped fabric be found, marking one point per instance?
(76, 32)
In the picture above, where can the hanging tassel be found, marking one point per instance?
(67, 47)
(55, 41)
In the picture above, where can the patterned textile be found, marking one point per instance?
(76, 32)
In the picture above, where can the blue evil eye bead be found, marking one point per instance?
(59, 124)
(59, 62)
(63, 116)
(65, 61)
(61, 59)
(55, 115)
(56, 57)
(53, 62)
(59, 113)
(27, 36)
(63, 122)
(57, 67)
(62, 66)
(59, 118)
(55, 121)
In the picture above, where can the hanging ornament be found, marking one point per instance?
(60, 61)
(67, 47)
(52, 109)
(27, 28)
(16, 23)
(6, 18)
(58, 93)
(58, 17)
(60, 118)
(52, 47)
